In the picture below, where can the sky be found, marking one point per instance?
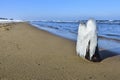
(60, 9)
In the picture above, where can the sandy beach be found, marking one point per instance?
(27, 53)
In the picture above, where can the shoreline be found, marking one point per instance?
(35, 26)
(101, 40)
(28, 53)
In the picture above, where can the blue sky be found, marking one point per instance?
(60, 9)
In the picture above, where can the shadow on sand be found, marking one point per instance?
(106, 54)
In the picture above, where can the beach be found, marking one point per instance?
(27, 53)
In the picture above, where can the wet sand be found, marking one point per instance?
(27, 53)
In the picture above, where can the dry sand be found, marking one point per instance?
(27, 53)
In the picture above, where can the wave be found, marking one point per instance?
(61, 28)
(108, 38)
(83, 21)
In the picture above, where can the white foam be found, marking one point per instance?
(10, 21)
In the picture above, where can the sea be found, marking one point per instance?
(108, 31)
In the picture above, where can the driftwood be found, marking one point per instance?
(87, 43)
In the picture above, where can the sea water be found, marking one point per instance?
(108, 31)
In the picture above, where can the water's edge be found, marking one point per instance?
(103, 42)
